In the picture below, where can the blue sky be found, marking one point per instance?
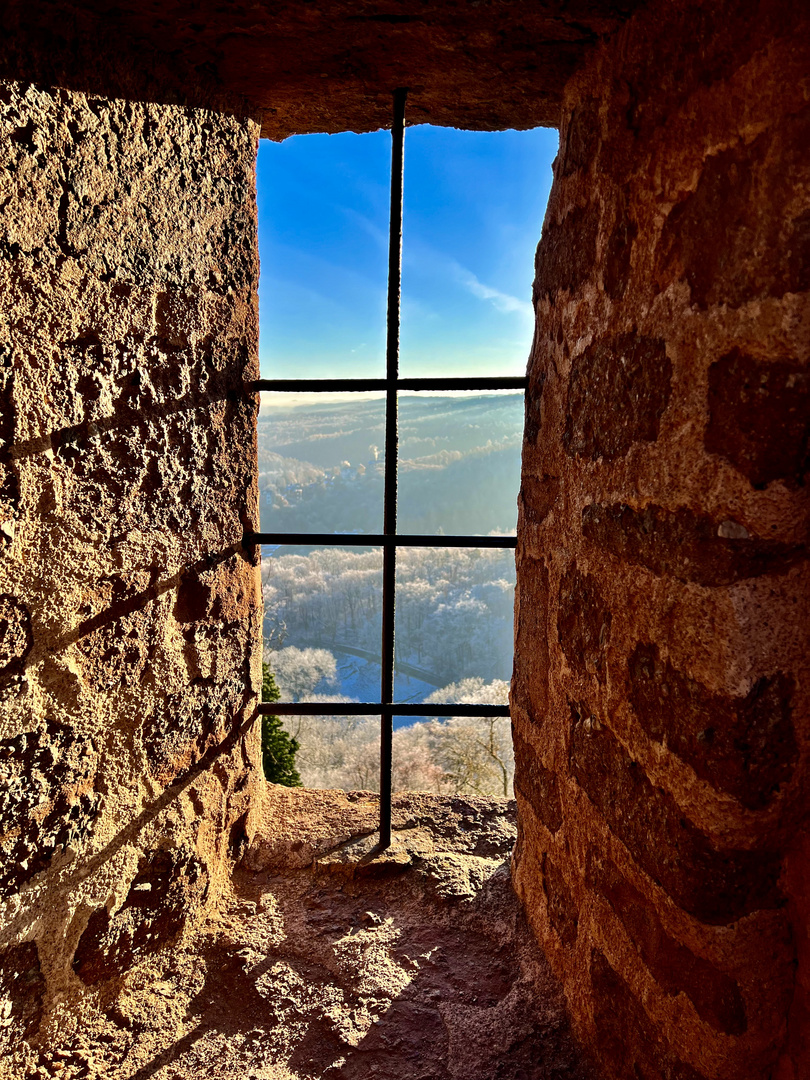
(474, 206)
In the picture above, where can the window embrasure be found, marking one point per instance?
(390, 541)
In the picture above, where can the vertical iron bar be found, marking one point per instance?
(391, 452)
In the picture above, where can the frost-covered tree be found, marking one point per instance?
(475, 752)
(337, 751)
(454, 606)
(298, 671)
(461, 755)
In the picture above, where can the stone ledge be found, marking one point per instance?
(322, 960)
(299, 827)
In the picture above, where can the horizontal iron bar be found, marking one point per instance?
(378, 540)
(316, 386)
(365, 708)
(481, 383)
(307, 386)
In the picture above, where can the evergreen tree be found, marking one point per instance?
(278, 747)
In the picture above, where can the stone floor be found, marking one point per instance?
(331, 960)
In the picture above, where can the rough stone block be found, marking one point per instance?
(49, 800)
(686, 544)
(567, 252)
(743, 745)
(744, 233)
(583, 623)
(562, 910)
(617, 392)
(22, 992)
(537, 784)
(714, 994)
(128, 273)
(529, 688)
(713, 884)
(627, 1040)
(759, 417)
(664, 501)
(162, 897)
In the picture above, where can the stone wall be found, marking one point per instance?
(313, 67)
(661, 690)
(129, 612)
(661, 699)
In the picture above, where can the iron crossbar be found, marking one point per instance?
(355, 386)
(383, 540)
(375, 708)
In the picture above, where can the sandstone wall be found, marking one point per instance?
(129, 612)
(326, 66)
(662, 680)
(661, 691)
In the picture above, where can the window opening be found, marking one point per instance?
(389, 541)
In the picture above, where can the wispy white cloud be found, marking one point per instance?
(501, 301)
(425, 255)
(422, 254)
(366, 225)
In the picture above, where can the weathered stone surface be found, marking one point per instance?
(178, 730)
(744, 745)
(294, 829)
(686, 545)
(49, 800)
(16, 639)
(581, 138)
(715, 885)
(22, 990)
(531, 650)
(537, 785)
(164, 894)
(533, 409)
(666, 567)
(583, 623)
(618, 256)
(9, 486)
(715, 995)
(617, 393)
(127, 282)
(416, 962)
(759, 417)
(117, 650)
(626, 1033)
(537, 498)
(562, 911)
(744, 232)
(567, 253)
(325, 68)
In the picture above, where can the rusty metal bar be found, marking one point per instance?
(383, 540)
(391, 457)
(376, 708)
(354, 386)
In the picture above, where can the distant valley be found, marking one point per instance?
(321, 470)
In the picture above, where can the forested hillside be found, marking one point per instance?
(321, 466)
(321, 470)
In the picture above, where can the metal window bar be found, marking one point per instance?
(389, 540)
